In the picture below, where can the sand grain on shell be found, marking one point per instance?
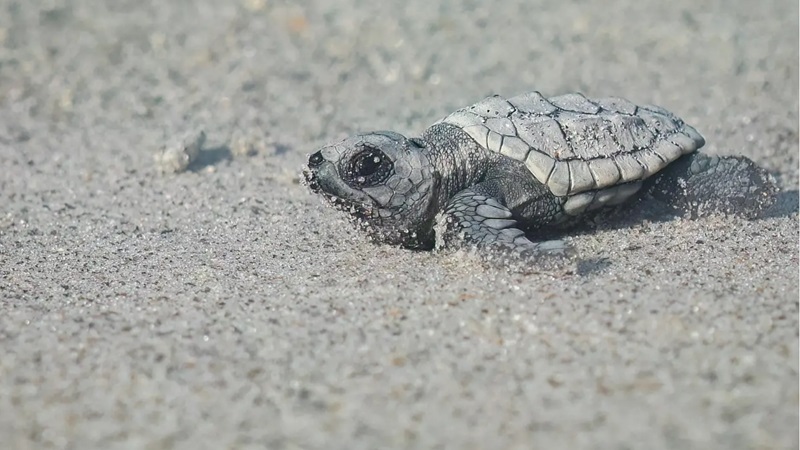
(228, 308)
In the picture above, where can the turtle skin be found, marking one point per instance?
(496, 173)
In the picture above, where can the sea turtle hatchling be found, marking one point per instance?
(494, 173)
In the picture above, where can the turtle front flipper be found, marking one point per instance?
(474, 218)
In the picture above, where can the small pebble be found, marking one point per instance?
(177, 156)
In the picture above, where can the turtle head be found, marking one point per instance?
(384, 180)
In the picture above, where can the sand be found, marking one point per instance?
(224, 306)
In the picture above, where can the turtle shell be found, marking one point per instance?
(573, 144)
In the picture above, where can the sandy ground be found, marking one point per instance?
(225, 307)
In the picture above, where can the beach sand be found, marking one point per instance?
(224, 306)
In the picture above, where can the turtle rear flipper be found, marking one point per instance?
(699, 184)
(476, 219)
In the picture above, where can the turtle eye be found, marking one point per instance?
(369, 167)
(367, 163)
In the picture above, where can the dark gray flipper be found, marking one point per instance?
(477, 219)
(699, 184)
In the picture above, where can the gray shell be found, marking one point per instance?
(573, 144)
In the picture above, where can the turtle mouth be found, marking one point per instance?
(310, 179)
(359, 209)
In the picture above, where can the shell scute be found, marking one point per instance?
(573, 144)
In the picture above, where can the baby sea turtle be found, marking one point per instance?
(498, 171)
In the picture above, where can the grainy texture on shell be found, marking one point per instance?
(235, 310)
(575, 144)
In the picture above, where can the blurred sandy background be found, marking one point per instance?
(225, 307)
